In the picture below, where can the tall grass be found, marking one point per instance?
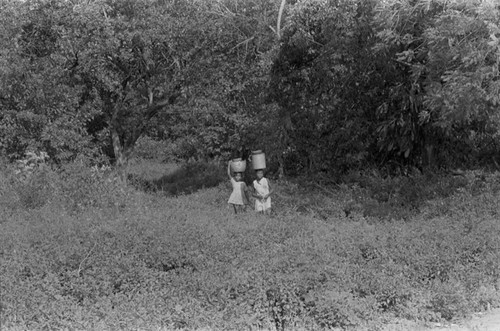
(131, 260)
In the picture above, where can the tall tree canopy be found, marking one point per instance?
(320, 84)
(379, 81)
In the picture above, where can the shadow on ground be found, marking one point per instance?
(186, 179)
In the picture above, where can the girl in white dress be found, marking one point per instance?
(262, 193)
(239, 196)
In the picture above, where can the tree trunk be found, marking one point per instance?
(428, 157)
(281, 166)
(285, 126)
(122, 154)
(125, 134)
(124, 140)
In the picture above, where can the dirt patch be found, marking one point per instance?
(487, 321)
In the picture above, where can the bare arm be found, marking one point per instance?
(255, 194)
(247, 193)
(271, 190)
(229, 169)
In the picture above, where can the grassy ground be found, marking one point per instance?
(80, 251)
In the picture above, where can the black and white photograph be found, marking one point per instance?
(267, 165)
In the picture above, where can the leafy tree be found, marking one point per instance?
(448, 57)
(320, 84)
(186, 70)
(119, 64)
(224, 107)
(38, 101)
(322, 65)
(383, 81)
(131, 63)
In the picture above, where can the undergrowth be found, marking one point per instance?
(94, 254)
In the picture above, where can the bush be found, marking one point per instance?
(30, 180)
(399, 198)
(85, 187)
(33, 184)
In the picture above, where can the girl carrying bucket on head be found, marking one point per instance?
(239, 197)
(262, 187)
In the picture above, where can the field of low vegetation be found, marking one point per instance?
(114, 119)
(81, 251)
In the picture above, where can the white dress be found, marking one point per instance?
(238, 196)
(262, 188)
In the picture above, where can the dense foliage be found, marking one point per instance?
(379, 81)
(334, 85)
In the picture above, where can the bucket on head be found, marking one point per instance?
(258, 160)
(238, 165)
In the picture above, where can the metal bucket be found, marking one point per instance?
(258, 160)
(238, 165)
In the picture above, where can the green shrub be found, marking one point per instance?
(30, 180)
(399, 198)
(35, 191)
(84, 187)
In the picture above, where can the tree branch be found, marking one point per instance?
(278, 23)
